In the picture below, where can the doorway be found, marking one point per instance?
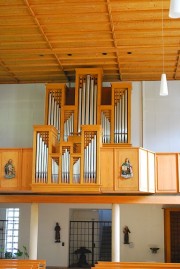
(172, 235)
(89, 242)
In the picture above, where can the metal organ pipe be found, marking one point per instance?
(66, 166)
(76, 171)
(106, 128)
(80, 108)
(55, 172)
(90, 161)
(91, 119)
(87, 111)
(121, 119)
(122, 122)
(87, 102)
(87, 116)
(41, 160)
(95, 104)
(68, 127)
(125, 116)
(54, 113)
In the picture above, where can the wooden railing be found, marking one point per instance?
(22, 264)
(136, 265)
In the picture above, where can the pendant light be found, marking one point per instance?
(174, 10)
(163, 85)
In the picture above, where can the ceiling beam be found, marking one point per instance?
(43, 33)
(114, 36)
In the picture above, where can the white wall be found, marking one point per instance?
(144, 221)
(161, 114)
(21, 107)
(136, 115)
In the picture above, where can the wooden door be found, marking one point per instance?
(172, 235)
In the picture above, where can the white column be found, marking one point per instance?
(33, 232)
(115, 233)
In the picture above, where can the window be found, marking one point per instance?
(12, 229)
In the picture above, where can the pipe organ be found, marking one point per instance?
(41, 157)
(54, 100)
(77, 131)
(120, 115)
(87, 106)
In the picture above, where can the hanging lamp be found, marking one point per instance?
(174, 10)
(163, 85)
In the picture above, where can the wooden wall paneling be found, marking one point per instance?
(15, 156)
(1, 168)
(178, 167)
(166, 172)
(129, 184)
(151, 171)
(26, 179)
(143, 170)
(107, 169)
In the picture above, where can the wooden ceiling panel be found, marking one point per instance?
(46, 40)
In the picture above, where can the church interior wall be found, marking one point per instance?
(155, 126)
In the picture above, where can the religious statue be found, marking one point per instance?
(126, 232)
(9, 169)
(57, 233)
(126, 169)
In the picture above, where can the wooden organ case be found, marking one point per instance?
(86, 138)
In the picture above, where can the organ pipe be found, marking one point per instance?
(68, 127)
(54, 112)
(106, 128)
(121, 118)
(87, 102)
(41, 160)
(76, 171)
(90, 161)
(55, 171)
(66, 167)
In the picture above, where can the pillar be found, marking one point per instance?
(33, 243)
(115, 233)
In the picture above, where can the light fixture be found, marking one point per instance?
(163, 85)
(154, 250)
(174, 10)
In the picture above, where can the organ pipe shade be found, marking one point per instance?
(163, 86)
(174, 10)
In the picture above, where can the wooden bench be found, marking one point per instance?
(135, 265)
(22, 264)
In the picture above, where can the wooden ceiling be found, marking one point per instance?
(46, 40)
